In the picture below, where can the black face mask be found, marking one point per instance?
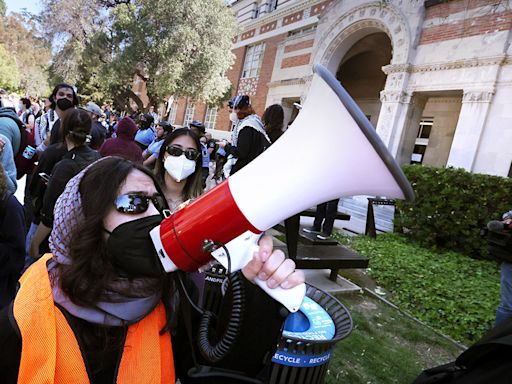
(64, 104)
(132, 250)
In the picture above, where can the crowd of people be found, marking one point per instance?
(82, 282)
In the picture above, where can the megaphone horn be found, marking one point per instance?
(331, 150)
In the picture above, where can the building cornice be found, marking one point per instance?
(444, 66)
(288, 82)
(278, 14)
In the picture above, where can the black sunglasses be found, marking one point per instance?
(138, 203)
(190, 153)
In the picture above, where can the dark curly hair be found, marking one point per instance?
(53, 102)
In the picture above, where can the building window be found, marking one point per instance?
(189, 113)
(253, 59)
(255, 11)
(210, 117)
(272, 5)
(421, 143)
(302, 31)
(172, 112)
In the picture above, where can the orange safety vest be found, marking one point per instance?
(50, 351)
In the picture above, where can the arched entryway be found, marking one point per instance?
(360, 72)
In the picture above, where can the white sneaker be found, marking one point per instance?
(310, 230)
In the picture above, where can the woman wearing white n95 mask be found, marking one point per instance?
(179, 167)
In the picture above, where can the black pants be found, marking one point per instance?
(328, 212)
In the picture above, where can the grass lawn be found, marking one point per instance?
(385, 346)
(449, 291)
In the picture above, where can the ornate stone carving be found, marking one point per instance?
(396, 68)
(477, 96)
(387, 96)
(379, 15)
(458, 64)
(296, 81)
(248, 86)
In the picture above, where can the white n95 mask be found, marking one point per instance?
(233, 117)
(179, 167)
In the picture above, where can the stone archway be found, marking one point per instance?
(337, 34)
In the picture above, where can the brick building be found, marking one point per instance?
(434, 77)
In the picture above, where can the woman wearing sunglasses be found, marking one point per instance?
(178, 167)
(100, 309)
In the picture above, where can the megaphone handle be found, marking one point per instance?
(242, 250)
(291, 298)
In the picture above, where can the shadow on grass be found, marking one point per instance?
(385, 346)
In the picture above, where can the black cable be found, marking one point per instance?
(216, 352)
(184, 291)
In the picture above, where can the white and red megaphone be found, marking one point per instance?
(331, 150)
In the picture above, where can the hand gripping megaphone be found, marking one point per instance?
(331, 150)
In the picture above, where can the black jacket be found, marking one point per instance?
(12, 246)
(251, 143)
(261, 327)
(70, 165)
(47, 160)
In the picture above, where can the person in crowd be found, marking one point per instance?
(10, 136)
(199, 129)
(153, 113)
(76, 127)
(63, 97)
(211, 144)
(504, 310)
(12, 241)
(249, 138)
(123, 144)
(98, 131)
(273, 121)
(145, 135)
(163, 128)
(179, 167)
(36, 108)
(220, 160)
(26, 114)
(324, 220)
(103, 308)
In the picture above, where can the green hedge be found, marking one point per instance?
(451, 206)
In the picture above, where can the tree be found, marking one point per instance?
(9, 76)
(31, 52)
(3, 8)
(180, 48)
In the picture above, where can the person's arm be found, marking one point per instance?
(7, 159)
(41, 233)
(12, 243)
(150, 161)
(30, 122)
(61, 174)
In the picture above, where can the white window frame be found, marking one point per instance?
(172, 112)
(253, 60)
(210, 117)
(189, 113)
